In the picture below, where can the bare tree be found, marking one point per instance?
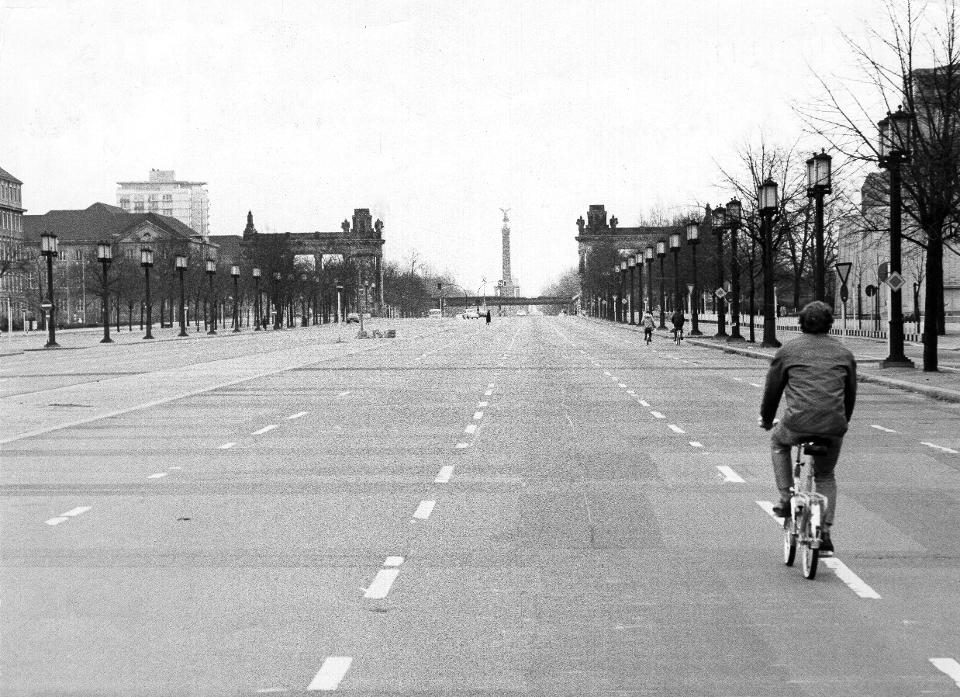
(931, 96)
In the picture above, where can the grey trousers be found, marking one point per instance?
(781, 440)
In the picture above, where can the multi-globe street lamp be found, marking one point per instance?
(718, 223)
(211, 270)
(818, 184)
(693, 239)
(235, 272)
(661, 253)
(648, 257)
(105, 257)
(768, 206)
(50, 248)
(894, 152)
(146, 261)
(675, 248)
(256, 307)
(180, 262)
(734, 218)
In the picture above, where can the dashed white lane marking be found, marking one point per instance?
(443, 476)
(739, 379)
(482, 404)
(157, 475)
(948, 666)
(621, 385)
(296, 416)
(843, 572)
(882, 428)
(331, 673)
(938, 447)
(174, 468)
(853, 582)
(471, 428)
(657, 415)
(607, 373)
(393, 561)
(72, 513)
(477, 415)
(644, 403)
(264, 430)
(675, 428)
(381, 583)
(461, 446)
(488, 393)
(631, 392)
(344, 393)
(424, 510)
(729, 475)
(227, 446)
(753, 384)
(696, 444)
(490, 385)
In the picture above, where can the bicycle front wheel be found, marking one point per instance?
(789, 545)
(808, 560)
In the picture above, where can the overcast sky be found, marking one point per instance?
(433, 114)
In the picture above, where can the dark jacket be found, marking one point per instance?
(818, 377)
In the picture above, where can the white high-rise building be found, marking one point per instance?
(164, 194)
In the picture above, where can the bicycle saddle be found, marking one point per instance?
(816, 446)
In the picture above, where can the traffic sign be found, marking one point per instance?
(844, 293)
(46, 305)
(720, 293)
(895, 281)
(843, 270)
(870, 290)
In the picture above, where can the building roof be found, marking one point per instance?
(4, 174)
(161, 183)
(99, 222)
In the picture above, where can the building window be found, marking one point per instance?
(138, 207)
(167, 211)
(79, 255)
(168, 197)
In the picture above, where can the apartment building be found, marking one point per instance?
(164, 194)
(12, 284)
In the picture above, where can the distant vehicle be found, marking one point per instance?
(471, 314)
(366, 315)
(435, 312)
(521, 313)
(353, 317)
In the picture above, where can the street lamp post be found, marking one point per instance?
(632, 261)
(235, 272)
(50, 247)
(146, 261)
(648, 257)
(276, 301)
(623, 291)
(339, 291)
(675, 248)
(181, 265)
(894, 151)
(211, 270)
(768, 206)
(718, 222)
(734, 215)
(105, 257)
(818, 184)
(693, 239)
(661, 253)
(256, 307)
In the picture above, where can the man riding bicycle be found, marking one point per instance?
(678, 320)
(817, 376)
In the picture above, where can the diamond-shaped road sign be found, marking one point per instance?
(895, 281)
(720, 293)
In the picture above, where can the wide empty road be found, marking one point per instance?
(542, 506)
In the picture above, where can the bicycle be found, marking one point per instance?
(804, 527)
(648, 334)
(678, 335)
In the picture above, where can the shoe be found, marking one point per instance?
(826, 545)
(782, 509)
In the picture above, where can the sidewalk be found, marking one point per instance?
(943, 385)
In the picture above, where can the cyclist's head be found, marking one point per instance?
(816, 318)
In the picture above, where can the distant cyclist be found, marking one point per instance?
(817, 377)
(648, 324)
(678, 320)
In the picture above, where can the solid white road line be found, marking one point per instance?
(424, 510)
(296, 416)
(882, 428)
(854, 582)
(227, 446)
(393, 561)
(753, 384)
(621, 385)
(381, 583)
(332, 671)
(739, 379)
(938, 447)
(344, 393)
(264, 430)
(631, 392)
(488, 393)
(948, 666)
(675, 428)
(174, 468)
(157, 475)
(696, 444)
(461, 446)
(490, 385)
(729, 475)
(478, 415)
(471, 428)
(56, 521)
(607, 373)
(443, 476)
(73, 512)
(657, 415)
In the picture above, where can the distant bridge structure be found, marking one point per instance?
(453, 299)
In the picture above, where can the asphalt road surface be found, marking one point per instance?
(541, 506)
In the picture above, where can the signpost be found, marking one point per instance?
(843, 271)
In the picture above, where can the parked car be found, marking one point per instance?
(435, 312)
(521, 313)
(353, 317)
(471, 314)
